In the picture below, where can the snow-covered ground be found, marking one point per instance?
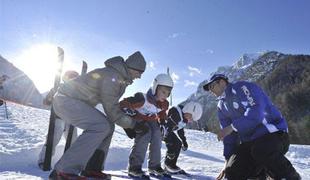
(23, 134)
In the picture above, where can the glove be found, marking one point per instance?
(184, 146)
(141, 128)
(130, 112)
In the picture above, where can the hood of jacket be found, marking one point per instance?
(117, 63)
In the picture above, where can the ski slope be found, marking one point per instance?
(23, 133)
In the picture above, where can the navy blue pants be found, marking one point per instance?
(173, 144)
(265, 154)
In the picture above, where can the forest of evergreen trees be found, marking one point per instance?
(289, 88)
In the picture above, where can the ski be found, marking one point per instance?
(51, 127)
(182, 172)
(162, 177)
(113, 176)
(143, 177)
(71, 128)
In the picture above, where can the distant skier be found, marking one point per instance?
(3, 78)
(61, 128)
(150, 110)
(248, 116)
(178, 117)
(76, 101)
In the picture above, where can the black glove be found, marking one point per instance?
(130, 133)
(184, 146)
(141, 128)
(129, 112)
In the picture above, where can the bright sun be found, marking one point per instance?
(39, 62)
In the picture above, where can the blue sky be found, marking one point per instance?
(193, 38)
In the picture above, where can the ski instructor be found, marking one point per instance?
(75, 102)
(248, 116)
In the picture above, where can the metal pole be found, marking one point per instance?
(171, 92)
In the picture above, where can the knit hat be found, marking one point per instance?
(136, 61)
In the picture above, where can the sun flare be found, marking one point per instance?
(40, 64)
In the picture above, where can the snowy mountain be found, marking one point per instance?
(23, 134)
(285, 78)
(248, 67)
(18, 88)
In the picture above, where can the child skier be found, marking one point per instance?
(149, 110)
(178, 117)
(61, 128)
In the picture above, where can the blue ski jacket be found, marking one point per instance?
(249, 110)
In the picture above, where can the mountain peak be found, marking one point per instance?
(248, 59)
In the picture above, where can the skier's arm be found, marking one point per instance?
(162, 115)
(181, 134)
(230, 141)
(133, 102)
(173, 118)
(109, 99)
(251, 97)
(49, 97)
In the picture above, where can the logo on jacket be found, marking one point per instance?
(248, 95)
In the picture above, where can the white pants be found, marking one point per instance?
(61, 128)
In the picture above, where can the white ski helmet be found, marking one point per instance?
(194, 108)
(162, 80)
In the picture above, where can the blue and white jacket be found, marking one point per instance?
(251, 113)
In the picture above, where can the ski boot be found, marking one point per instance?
(138, 174)
(96, 175)
(172, 169)
(64, 176)
(159, 172)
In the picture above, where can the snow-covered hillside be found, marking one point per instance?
(19, 87)
(23, 134)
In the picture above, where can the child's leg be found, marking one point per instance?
(155, 146)
(137, 154)
(174, 145)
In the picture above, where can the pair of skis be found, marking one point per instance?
(172, 175)
(51, 127)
